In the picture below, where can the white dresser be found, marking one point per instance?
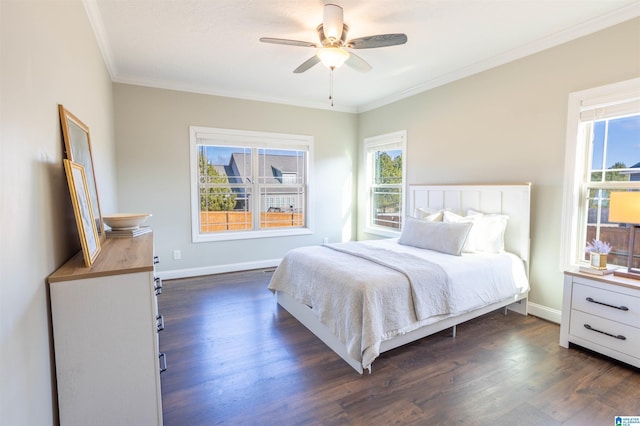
(105, 331)
(602, 313)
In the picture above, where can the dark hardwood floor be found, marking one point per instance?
(236, 358)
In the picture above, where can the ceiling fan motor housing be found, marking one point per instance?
(330, 41)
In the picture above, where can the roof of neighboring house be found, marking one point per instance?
(635, 175)
(273, 166)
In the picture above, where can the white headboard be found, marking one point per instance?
(512, 200)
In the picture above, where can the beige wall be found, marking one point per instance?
(508, 124)
(49, 56)
(152, 134)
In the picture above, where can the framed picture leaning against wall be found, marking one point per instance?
(83, 211)
(77, 147)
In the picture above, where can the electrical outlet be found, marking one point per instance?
(177, 255)
(325, 240)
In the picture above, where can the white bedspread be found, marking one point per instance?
(365, 302)
(428, 282)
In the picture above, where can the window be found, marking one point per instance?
(385, 172)
(249, 184)
(602, 156)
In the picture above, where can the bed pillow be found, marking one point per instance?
(425, 213)
(489, 231)
(439, 236)
(470, 245)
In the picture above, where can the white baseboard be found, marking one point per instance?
(218, 269)
(545, 312)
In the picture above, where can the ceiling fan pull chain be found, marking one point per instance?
(331, 85)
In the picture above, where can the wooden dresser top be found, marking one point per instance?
(608, 279)
(117, 256)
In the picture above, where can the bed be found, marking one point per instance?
(365, 298)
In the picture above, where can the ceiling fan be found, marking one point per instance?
(332, 49)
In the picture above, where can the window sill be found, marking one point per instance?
(248, 235)
(382, 232)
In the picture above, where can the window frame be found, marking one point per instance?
(394, 140)
(578, 167)
(255, 139)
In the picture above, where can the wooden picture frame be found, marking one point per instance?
(77, 147)
(83, 211)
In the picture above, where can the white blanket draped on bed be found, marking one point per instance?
(364, 303)
(429, 283)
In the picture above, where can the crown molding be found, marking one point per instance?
(95, 19)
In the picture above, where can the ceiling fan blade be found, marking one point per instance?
(381, 40)
(307, 64)
(332, 22)
(287, 42)
(357, 63)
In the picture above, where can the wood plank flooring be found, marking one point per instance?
(236, 358)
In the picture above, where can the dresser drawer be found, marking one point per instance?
(593, 329)
(607, 304)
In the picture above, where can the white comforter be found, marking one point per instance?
(365, 302)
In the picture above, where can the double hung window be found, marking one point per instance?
(385, 178)
(248, 184)
(603, 156)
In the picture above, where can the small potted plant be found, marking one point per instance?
(598, 251)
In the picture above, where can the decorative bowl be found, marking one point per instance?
(125, 221)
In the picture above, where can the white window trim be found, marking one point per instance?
(245, 138)
(399, 138)
(575, 160)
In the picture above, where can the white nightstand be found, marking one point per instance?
(602, 313)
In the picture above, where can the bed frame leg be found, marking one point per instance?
(453, 331)
(505, 311)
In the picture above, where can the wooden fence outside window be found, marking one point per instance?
(242, 221)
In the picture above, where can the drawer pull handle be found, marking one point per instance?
(622, 308)
(163, 362)
(160, 322)
(619, 336)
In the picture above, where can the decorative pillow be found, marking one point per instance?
(489, 231)
(439, 236)
(425, 213)
(470, 245)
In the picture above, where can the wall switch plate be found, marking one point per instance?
(177, 255)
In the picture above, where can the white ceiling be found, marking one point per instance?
(212, 47)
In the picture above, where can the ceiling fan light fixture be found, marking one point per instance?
(332, 57)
